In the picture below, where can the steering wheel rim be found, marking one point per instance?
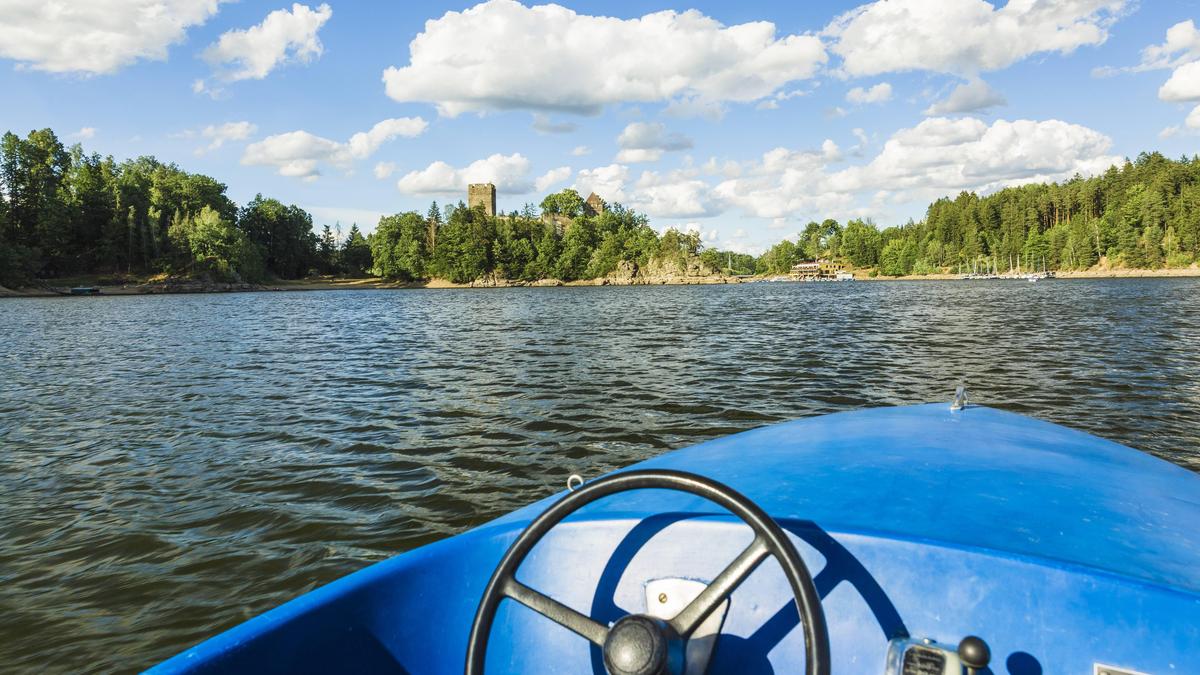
(769, 541)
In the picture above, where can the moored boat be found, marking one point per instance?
(922, 539)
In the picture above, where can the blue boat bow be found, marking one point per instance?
(922, 525)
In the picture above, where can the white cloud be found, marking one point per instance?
(299, 154)
(942, 155)
(782, 184)
(676, 194)
(970, 96)
(384, 169)
(963, 37)
(218, 135)
(84, 133)
(365, 143)
(638, 155)
(1193, 118)
(510, 174)
(835, 112)
(544, 125)
(830, 150)
(581, 150)
(606, 181)
(877, 94)
(283, 36)
(1180, 51)
(97, 36)
(1181, 46)
(1183, 85)
(551, 178)
(647, 141)
(939, 156)
(483, 58)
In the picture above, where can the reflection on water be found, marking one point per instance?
(173, 465)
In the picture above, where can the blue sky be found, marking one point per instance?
(741, 121)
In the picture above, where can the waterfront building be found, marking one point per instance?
(817, 269)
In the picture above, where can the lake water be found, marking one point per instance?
(172, 465)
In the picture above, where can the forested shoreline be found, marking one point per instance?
(64, 212)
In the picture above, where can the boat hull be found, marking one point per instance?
(1061, 550)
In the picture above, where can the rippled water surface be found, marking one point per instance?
(172, 465)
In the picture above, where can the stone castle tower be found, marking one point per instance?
(594, 205)
(482, 194)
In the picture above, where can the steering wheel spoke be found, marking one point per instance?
(690, 617)
(557, 612)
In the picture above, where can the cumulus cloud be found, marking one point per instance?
(509, 173)
(675, 194)
(970, 96)
(606, 181)
(681, 193)
(483, 58)
(1193, 118)
(784, 183)
(299, 154)
(938, 156)
(98, 36)
(878, 94)
(84, 133)
(963, 37)
(1181, 46)
(581, 150)
(1179, 52)
(647, 141)
(365, 143)
(552, 177)
(283, 36)
(1183, 85)
(945, 155)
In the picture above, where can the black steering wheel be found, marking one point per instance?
(644, 645)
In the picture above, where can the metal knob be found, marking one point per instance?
(974, 653)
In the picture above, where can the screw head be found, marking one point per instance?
(662, 598)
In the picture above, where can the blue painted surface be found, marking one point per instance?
(1058, 548)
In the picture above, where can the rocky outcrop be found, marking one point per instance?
(674, 272)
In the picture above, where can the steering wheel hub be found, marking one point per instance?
(642, 645)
